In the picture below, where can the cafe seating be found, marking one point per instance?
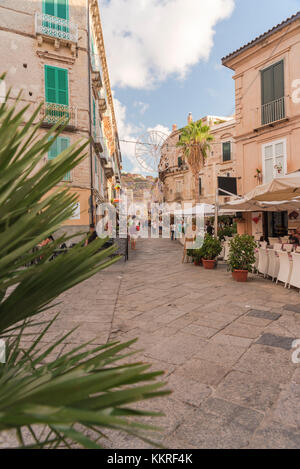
(285, 268)
(295, 275)
(273, 267)
(263, 262)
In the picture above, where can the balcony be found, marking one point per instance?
(108, 170)
(56, 29)
(102, 105)
(98, 141)
(51, 113)
(96, 81)
(273, 111)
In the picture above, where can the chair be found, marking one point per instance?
(277, 247)
(273, 267)
(285, 268)
(295, 276)
(263, 244)
(284, 239)
(298, 249)
(273, 241)
(226, 250)
(263, 262)
(288, 247)
(255, 265)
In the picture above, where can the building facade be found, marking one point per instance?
(53, 51)
(175, 173)
(267, 132)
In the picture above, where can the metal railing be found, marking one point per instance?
(53, 112)
(273, 111)
(57, 28)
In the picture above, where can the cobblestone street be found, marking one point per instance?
(226, 347)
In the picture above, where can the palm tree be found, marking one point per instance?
(195, 139)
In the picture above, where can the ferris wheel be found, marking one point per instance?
(148, 150)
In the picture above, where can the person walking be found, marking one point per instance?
(172, 231)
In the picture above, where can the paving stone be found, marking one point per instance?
(264, 314)
(226, 426)
(188, 391)
(202, 371)
(248, 390)
(224, 339)
(201, 331)
(224, 355)
(294, 308)
(270, 363)
(274, 436)
(276, 341)
(287, 407)
(243, 330)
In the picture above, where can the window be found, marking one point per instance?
(226, 151)
(58, 146)
(179, 161)
(272, 93)
(178, 187)
(56, 85)
(200, 186)
(274, 160)
(58, 8)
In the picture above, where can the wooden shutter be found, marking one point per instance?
(272, 82)
(54, 151)
(200, 186)
(179, 161)
(56, 85)
(63, 144)
(96, 165)
(62, 86)
(50, 84)
(49, 7)
(226, 150)
(62, 9)
(278, 72)
(94, 112)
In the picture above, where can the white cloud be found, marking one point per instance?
(141, 106)
(149, 40)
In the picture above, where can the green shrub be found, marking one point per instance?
(242, 253)
(211, 248)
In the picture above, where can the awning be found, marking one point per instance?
(283, 188)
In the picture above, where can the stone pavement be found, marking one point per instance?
(226, 347)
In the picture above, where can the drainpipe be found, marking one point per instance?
(90, 114)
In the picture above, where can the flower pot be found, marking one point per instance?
(240, 275)
(208, 264)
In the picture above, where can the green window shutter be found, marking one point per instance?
(64, 143)
(62, 86)
(62, 9)
(58, 8)
(179, 161)
(50, 84)
(54, 150)
(278, 72)
(267, 85)
(49, 7)
(96, 165)
(56, 85)
(94, 112)
(226, 151)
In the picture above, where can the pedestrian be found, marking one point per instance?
(209, 228)
(92, 235)
(133, 232)
(172, 231)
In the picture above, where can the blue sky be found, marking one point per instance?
(164, 97)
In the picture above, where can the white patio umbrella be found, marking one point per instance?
(283, 188)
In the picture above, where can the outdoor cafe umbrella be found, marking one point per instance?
(283, 188)
(244, 205)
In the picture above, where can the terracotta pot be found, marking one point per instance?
(208, 264)
(240, 275)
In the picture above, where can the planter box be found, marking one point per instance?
(208, 264)
(240, 275)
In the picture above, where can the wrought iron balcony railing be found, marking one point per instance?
(51, 113)
(58, 28)
(273, 111)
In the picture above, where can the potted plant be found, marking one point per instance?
(210, 250)
(241, 256)
(196, 255)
